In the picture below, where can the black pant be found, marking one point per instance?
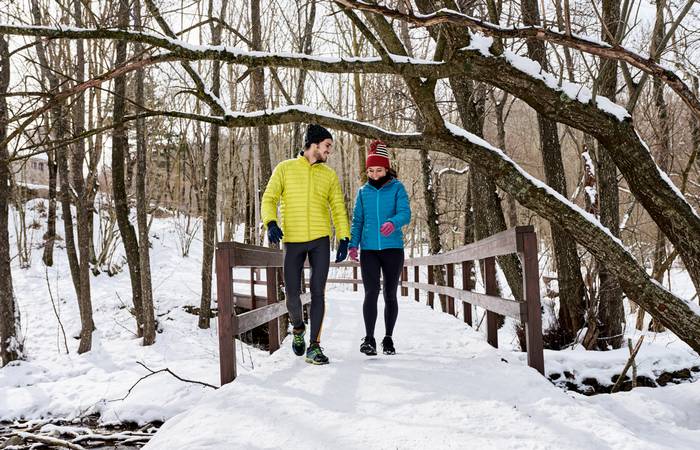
(319, 259)
(390, 263)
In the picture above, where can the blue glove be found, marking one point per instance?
(274, 234)
(342, 252)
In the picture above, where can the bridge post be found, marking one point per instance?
(226, 321)
(466, 285)
(431, 280)
(491, 289)
(416, 279)
(354, 277)
(451, 283)
(273, 326)
(527, 243)
(404, 278)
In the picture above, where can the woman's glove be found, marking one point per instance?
(342, 252)
(387, 228)
(353, 254)
(274, 234)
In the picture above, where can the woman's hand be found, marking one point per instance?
(387, 228)
(353, 254)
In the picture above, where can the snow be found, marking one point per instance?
(574, 91)
(446, 386)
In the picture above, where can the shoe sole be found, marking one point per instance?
(369, 353)
(386, 352)
(315, 363)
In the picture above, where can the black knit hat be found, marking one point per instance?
(315, 134)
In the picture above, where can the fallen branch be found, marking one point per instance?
(49, 441)
(629, 364)
(154, 372)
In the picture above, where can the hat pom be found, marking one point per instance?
(377, 155)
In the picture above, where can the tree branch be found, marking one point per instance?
(584, 44)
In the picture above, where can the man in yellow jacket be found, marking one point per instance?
(306, 188)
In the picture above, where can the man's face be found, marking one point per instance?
(323, 150)
(376, 172)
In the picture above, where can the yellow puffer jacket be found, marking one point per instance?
(306, 192)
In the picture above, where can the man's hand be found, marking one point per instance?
(353, 254)
(342, 252)
(387, 228)
(274, 234)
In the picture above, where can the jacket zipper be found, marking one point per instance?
(379, 225)
(308, 201)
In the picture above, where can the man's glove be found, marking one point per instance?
(274, 234)
(387, 228)
(353, 254)
(342, 252)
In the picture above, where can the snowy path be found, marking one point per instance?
(446, 388)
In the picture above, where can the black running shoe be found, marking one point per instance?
(388, 346)
(298, 344)
(314, 354)
(369, 346)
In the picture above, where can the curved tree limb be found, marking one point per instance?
(584, 44)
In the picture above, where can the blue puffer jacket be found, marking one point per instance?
(375, 206)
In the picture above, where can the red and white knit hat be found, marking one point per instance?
(377, 155)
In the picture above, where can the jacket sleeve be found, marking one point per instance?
(403, 208)
(358, 220)
(338, 211)
(272, 195)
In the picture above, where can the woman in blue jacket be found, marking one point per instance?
(381, 210)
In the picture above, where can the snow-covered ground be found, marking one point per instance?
(446, 388)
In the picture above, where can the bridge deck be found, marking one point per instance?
(446, 388)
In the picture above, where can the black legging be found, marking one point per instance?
(319, 258)
(390, 263)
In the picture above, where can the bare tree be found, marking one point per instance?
(10, 349)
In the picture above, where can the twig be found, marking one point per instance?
(50, 441)
(629, 363)
(153, 372)
(55, 311)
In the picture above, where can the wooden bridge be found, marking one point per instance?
(267, 308)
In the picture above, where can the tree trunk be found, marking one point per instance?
(305, 47)
(209, 234)
(571, 289)
(257, 78)
(10, 349)
(120, 150)
(50, 235)
(82, 208)
(611, 313)
(148, 319)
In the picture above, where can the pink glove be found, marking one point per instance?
(387, 228)
(353, 253)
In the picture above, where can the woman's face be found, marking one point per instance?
(376, 172)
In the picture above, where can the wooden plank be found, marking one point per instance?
(245, 301)
(451, 283)
(416, 279)
(404, 277)
(251, 319)
(499, 305)
(431, 281)
(253, 256)
(257, 282)
(273, 331)
(354, 277)
(503, 243)
(531, 287)
(491, 289)
(224, 295)
(467, 286)
(344, 281)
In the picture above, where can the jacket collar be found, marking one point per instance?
(388, 183)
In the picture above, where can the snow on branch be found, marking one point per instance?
(582, 43)
(181, 50)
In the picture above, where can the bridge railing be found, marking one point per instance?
(519, 240)
(263, 309)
